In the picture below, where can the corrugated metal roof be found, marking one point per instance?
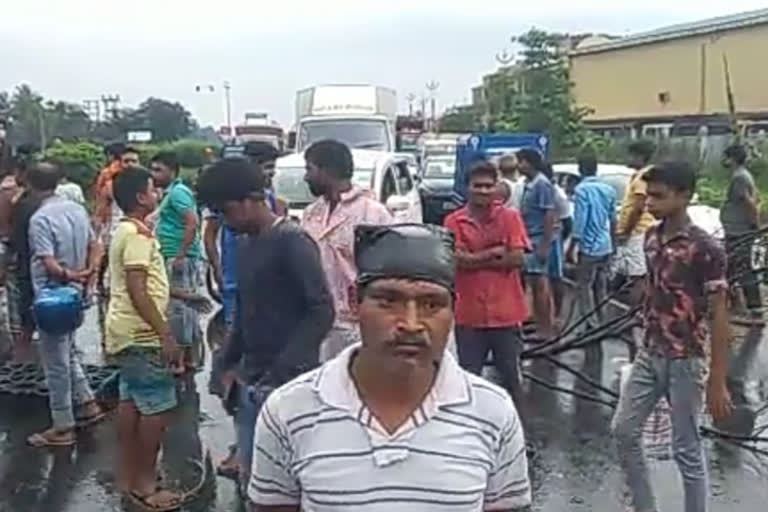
(708, 26)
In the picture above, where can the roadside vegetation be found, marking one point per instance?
(83, 160)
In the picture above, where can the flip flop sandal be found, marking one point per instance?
(88, 421)
(40, 441)
(142, 501)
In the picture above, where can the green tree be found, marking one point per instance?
(5, 105)
(27, 117)
(66, 121)
(536, 93)
(166, 120)
(547, 103)
(461, 119)
(79, 160)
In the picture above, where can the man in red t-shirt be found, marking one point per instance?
(490, 301)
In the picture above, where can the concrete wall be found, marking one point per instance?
(626, 83)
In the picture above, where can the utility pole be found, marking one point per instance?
(227, 101)
(432, 87)
(92, 107)
(410, 97)
(227, 96)
(41, 123)
(111, 106)
(504, 58)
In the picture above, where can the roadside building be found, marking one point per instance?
(674, 80)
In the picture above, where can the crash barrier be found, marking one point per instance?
(28, 379)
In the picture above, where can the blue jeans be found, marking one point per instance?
(682, 382)
(67, 384)
(250, 400)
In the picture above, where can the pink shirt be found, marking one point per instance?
(334, 233)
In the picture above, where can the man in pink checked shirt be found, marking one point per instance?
(331, 221)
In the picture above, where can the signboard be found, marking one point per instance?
(344, 99)
(256, 118)
(139, 136)
(489, 146)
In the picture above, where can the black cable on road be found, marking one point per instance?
(745, 446)
(583, 318)
(597, 337)
(551, 349)
(580, 375)
(577, 394)
(725, 435)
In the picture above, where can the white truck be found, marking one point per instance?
(362, 116)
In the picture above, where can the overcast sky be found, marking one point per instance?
(79, 49)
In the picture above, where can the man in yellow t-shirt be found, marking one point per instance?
(139, 338)
(634, 220)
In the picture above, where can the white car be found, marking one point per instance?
(388, 175)
(618, 176)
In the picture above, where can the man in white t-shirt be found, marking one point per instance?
(511, 183)
(342, 438)
(562, 232)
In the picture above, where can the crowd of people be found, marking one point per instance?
(334, 368)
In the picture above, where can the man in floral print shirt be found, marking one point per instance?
(684, 307)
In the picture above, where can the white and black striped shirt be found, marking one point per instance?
(317, 445)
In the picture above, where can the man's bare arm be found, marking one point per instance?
(510, 260)
(477, 260)
(753, 207)
(136, 283)
(550, 219)
(55, 270)
(718, 396)
(190, 227)
(638, 207)
(212, 248)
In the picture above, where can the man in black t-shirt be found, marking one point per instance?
(20, 294)
(284, 308)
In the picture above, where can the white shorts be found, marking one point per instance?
(630, 258)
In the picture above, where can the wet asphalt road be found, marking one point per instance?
(575, 468)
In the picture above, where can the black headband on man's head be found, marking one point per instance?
(419, 252)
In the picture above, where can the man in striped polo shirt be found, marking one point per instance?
(392, 423)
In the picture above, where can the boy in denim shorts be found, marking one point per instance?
(140, 339)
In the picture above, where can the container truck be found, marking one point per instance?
(361, 116)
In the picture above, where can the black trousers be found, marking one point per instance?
(739, 250)
(506, 343)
